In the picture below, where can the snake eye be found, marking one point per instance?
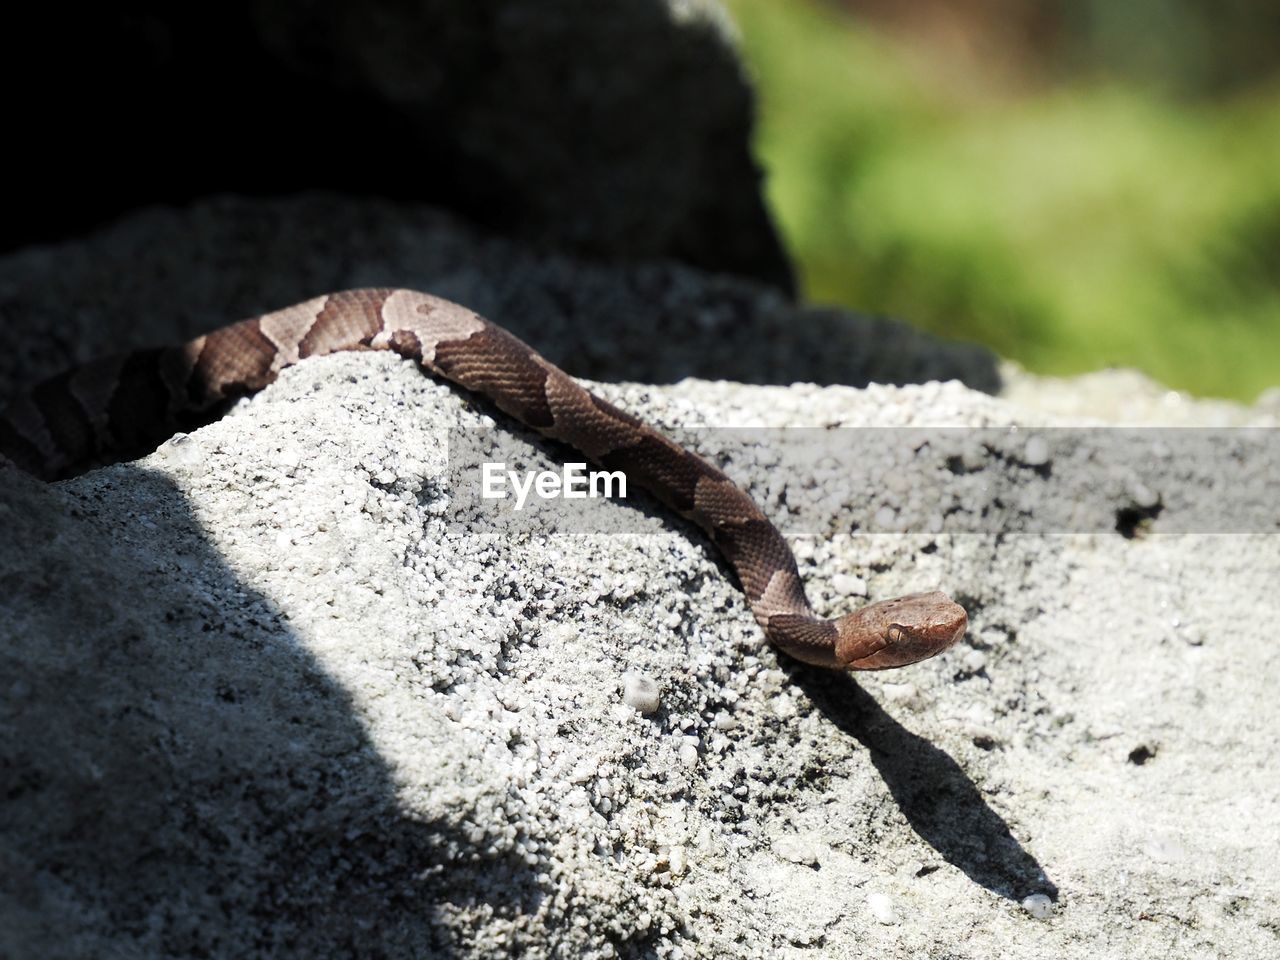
(894, 633)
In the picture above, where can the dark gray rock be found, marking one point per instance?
(614, 130)
(167, 275)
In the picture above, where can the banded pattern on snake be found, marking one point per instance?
(125, 405)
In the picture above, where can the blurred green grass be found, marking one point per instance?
(1087, 226)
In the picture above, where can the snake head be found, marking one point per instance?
(893, 633)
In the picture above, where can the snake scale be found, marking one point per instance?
(125, 405)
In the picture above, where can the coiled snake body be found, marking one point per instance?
(129, 403)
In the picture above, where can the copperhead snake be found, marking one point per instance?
(125, 405)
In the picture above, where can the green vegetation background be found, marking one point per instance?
(1090, 223)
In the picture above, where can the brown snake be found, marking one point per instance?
(127, 404)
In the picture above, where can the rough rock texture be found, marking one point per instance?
(617, 130)
(165, 275)
(272, 692)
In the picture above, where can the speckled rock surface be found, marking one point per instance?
(272, 692)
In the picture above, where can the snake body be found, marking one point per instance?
(127, 404)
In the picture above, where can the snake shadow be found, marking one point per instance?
(943, 806)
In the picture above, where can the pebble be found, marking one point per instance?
(182, 450)
(1143, 497)
(724, 721)
(848, 585)
(640, 692)
(784, 708)
(904, 693)
(1038, 905)
(881, 908)
(1036, 452)
(676, 860)
(796, 850)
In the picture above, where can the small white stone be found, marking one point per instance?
(881, 908)
(640, 692)
(182, 450)
(1038, 905)
(796, 850)
(784, 708)
(688, 754)
(1036, 452)
(900, 692)
(724, 721)
(676, 861)
(623, 713)
(1143, 497)
(974, 661)
(288, 459)
(848, 585)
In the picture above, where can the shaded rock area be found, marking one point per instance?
(616, 130)
(165, 275)
(274, 691)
